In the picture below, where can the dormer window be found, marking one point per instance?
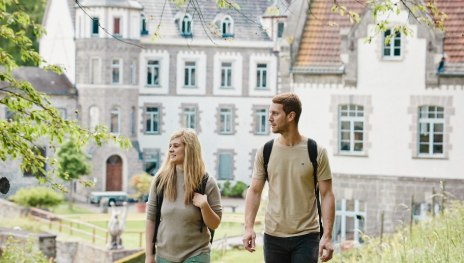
(143, 25)
(392, 49)
(227, 27)
(117, 26)
(186, 26)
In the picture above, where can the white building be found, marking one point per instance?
(391, 124)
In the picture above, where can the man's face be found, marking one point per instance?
(277, 118)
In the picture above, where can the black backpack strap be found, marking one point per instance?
(159, 203)
(202, 190)
(266, 155)
(312, 149)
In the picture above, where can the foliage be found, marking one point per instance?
(141, 184)
(236, 190)
(35, 10)
(34, 118)
(72, 162)
(425, 12)
(438, 240)
(40, 197)
(20, 251)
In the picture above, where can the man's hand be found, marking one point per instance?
(249, 240)
(325, 249)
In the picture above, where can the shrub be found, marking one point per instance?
(40, 197)
(20, 251)
(236, 190)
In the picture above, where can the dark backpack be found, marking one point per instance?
(312, 152)
(159, 202)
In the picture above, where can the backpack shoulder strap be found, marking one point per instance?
(266, 155)
(312, 149)
(159, 203)
(202, 190)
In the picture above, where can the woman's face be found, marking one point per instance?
(176, 151)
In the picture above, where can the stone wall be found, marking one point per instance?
(73, 251)
(392, 196)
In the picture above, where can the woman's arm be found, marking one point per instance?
(149, 232)
(210, 217)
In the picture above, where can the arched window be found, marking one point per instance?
(227, 27)
(143, 25)
(94, 117)
(186, 26)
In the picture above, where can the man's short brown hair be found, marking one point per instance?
(290, 102)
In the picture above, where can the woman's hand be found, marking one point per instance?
(199, 200)
(150, 259)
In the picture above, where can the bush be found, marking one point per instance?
(236, 190)
(40, 197)
(141, 184)
(20, 251)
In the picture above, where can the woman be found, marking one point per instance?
(185, 214)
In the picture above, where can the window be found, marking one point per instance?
(117, 26)
(227, 27)
(143, 25)
(190, 117)
(350, 220)
(225, 121)
(115, 122)
(393, 47)
(225, 167)
(431, 130)
(133, 122)
(261, 76)
(133, 73)
(153, 71)
(94, 117)
(95, 26)
(151, 162)
(422, 211)
(226, 75)
(280, 29)
(189, 78)
(116, 71)
(95, 71)
(351, 128)
(261, 123)
(186, 26)
(63, 113)
(152, 120)
(40, 154)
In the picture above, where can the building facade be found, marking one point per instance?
(390, 114)
(148, 68)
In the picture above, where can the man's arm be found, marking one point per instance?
(328, 215)
(252, 201)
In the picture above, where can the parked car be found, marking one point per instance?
(113, 197)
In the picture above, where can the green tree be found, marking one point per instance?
(35, 119)
(72, 164)
(35, 10)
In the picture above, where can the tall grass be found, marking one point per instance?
(440, 239)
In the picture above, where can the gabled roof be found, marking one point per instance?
(453, 43)
(132, 4)
(45, 81)
(246, 20)
(320, 41)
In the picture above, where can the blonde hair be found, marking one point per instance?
(194, 167)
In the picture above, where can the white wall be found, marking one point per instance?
(57, 45)
(390, 85)
(243, 142)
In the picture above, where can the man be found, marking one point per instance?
(291, 220)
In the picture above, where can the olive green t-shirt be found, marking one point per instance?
(179, 235)
(291, 208)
